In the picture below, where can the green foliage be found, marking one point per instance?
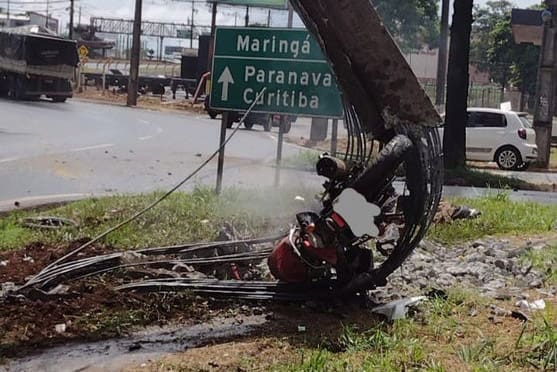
(500, 216)
(183, 217)
(493, 48)
(541, 344)
(477, 178)
(544, 260)
(413, 23)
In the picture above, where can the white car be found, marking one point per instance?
(505, 137)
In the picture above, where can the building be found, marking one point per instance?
(28, 18)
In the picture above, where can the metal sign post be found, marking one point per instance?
(220, 167)
(334, 138)
(279, 149)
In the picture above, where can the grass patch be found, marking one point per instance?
(183, 217)
(475, 178)
(500, 216)
(441, 337)
(544, 260)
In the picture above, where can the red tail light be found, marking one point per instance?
(522, 133)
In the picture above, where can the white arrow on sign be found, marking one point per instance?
(225, 79)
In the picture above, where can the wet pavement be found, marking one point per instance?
(148, 345)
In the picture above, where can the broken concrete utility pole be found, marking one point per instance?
(545, 93)
(133, 84)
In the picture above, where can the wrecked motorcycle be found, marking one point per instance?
(379, 198)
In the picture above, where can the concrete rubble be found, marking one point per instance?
(495, 267)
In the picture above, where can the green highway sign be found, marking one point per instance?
(281, 4)
(288, 63)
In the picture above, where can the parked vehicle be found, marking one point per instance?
(505, 137)
(268, 121)
(34, 62)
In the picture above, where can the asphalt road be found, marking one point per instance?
(53, 152)
(80, 148)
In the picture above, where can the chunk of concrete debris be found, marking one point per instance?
(499, 311)
(7, 288)
(4, 263)
(531, 306)
(398, 309)
(60, 328)
(535, 284)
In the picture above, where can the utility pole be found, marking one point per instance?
(290, 15)
(545, 91)
(213, 30)
(443, 54)
(79, 15)
(192, 16)
(72, 3)
(8, 14)
(247, 16)
(133, 84)
(46, 22)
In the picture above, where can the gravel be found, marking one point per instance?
(495, 268)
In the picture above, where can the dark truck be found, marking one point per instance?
(34, 62)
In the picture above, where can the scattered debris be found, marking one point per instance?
(7, 288)
(398, 309)
(47, 222)
(448, 213)
(499, 311)
(134, 347)
(301, 328)
(61, 289)
(4, 263)
(531, 306)
(520, 316)
(464, 212)
(60, 328)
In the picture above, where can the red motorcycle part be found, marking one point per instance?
(287, 266)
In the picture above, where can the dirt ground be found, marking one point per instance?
(89, 310)
(144, 101)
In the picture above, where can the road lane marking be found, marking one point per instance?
(7, 160)
(145, 138)
(94, 147)
(143, 121)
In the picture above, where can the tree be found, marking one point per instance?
(413, 23)
(454, 141)
(494, 51)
